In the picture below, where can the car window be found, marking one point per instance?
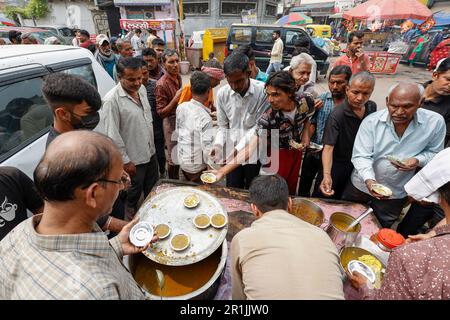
(292, 35)
(264, 35)
(66, 32)
(241, 35)
(86, 72)
(24, 114)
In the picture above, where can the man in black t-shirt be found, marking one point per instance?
(339, 136)
(17, 194)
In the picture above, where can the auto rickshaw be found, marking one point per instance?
(319, 30)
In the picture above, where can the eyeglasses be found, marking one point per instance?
(124, 180)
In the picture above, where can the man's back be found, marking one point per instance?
(283, 257)
(73, 266)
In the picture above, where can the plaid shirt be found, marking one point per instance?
(276, 119)
(320, 117)
(72, 266)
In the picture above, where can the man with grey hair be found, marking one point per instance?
(298, 67)
(390, 145)
(339, 135)
(168, 91)
(125, 51)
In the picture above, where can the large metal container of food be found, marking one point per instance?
(307, 211)
(167, 207)
(355, 253)
(339, 221)
(198, 281)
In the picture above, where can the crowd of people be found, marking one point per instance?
(258, 133)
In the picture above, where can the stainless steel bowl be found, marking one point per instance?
(307, 211)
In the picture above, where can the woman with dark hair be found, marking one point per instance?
(283, 130)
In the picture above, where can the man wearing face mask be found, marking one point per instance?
(104, 55)
(75, 104)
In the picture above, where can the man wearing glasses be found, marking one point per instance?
(75, 104)
(62, 253)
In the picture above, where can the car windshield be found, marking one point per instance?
(42, 35)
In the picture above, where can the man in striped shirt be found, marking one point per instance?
(62, 253)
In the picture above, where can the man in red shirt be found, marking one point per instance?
(354, 57)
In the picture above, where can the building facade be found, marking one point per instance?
(203, 14)
(82, 14)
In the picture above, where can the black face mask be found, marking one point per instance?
(87, 122)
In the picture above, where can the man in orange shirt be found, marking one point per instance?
(214, 69)
(355, 57)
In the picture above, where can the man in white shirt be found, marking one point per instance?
(239, 105)
(137, 43)
(276, 55)
(129, 123)
(195, 134)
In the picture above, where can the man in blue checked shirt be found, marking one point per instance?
(411, 134)
(337, 82)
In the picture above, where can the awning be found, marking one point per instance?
(313, 6)
(140, 3)
(337, 15)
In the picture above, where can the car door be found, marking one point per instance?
(263, 45)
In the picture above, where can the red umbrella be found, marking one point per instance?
(389, 10)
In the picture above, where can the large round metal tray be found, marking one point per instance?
(168, 207)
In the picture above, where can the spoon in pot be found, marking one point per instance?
(161, 280)
(362, 216)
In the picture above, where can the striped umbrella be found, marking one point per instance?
(294, 18)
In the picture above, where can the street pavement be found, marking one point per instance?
(383, 82)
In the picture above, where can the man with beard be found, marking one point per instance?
(404, 130)
(355, 57)
(339, 135)
(337, 82)
(168, 92)
(276, 55)
(155, 71)
(104, 55)
(129, 123)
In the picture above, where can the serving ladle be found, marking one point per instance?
(362, 216)
(161, 281)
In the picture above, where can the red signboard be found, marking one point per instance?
(383, 62)
(130, 24)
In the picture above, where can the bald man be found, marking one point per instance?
(403, 130)
(62, 253)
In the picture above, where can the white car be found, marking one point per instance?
(25, 118)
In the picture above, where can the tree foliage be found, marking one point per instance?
(35, 9)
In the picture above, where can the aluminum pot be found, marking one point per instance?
(205, 292)
(307, 211)
(339, 221)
